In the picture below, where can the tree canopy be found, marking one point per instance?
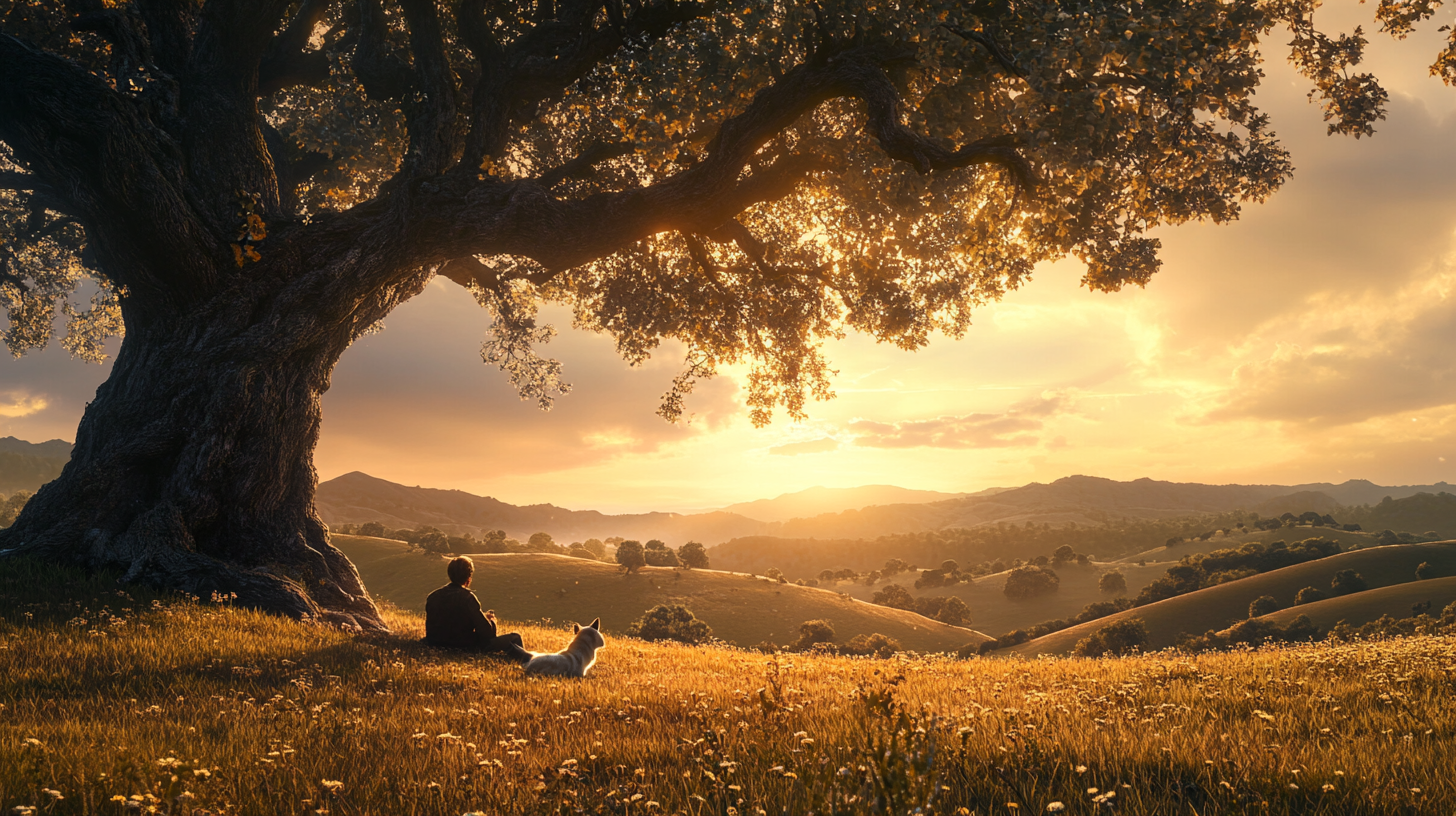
(746, 176)
(245, 187)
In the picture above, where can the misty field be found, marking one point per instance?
(115, 701)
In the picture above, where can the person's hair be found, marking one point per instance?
(460, 569)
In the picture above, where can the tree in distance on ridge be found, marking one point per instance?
(631, 555)
(250, 186)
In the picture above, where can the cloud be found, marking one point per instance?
(17, 404)
(1366, 358)
(821, 445)
(1012, 428)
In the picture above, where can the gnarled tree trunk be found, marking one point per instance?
(193, 467)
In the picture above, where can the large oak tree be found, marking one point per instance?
(244, 187)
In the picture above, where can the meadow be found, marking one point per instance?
(117, 701)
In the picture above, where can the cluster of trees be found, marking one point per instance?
(11, 506)
(670, 622)
(1090, 612)
(1115, 639)
(1200, 570)
(1433, 512)
(949, 610)
(1024, 583)
(634, 555)
(1252, 632)
(819, 636)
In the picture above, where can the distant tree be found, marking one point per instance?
(372, 528)
(1029, 582)
(596, 548)
(1063, 554)
(670, 622)
(578, 550)
(1112, 583)
(462, 544)
(893, 567)
(1309, 595)
(949, 566)
(951, 610)
(630, 556)
(1118, 638)
(494, 541)
(1348, 581)
(1041, 561)
(658, 554)
(1425, 571)
(812, 632)
(773, 573)
(998, 566)
(875, 645)
(431, 540)
(693, 555)
(1263, 605)
(542, 543)
(895, 597)
(827, 576)
(872, 577)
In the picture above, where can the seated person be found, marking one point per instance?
(453, 619)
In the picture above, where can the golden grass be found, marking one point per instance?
(111, 696)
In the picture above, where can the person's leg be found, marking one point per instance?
(508, 645)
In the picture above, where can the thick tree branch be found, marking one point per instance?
(524, 219)
(584, 164)
(169, 32)
(128, 46)
(431, 114)
(223, 138)
(383, 74)
(96, 157)
(287, 61)
(544, 61)
(988, 42)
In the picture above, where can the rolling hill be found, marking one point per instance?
(995, 614)
(1220, 606)
(28, 465)
(741, 609)
(1084, 500)
(1362, 607)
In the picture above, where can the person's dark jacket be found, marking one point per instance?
(453, 619)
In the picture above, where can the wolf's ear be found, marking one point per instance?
(575, 627)
(596, 624)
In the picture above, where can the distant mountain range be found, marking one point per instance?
(358, 498)
(28, 465)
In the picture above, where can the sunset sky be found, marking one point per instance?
(1311, 341)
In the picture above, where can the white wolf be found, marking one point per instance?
(580, 654)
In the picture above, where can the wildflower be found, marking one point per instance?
(1263, 715)
(332, 785)
(1327, 787)
(23, 810)
(1055, 807)
(55, 795)
(1081, 769)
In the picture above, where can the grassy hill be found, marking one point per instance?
(1220, 606)
(117, 700)
(995, 614)
(1413, 514)
(741, 609)
(1362, 607)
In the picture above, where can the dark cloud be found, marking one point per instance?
(1010, 429)
(822, 445)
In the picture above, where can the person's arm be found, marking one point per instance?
(484, 625)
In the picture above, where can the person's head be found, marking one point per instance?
(460, 570)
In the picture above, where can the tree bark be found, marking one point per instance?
(193, 466)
